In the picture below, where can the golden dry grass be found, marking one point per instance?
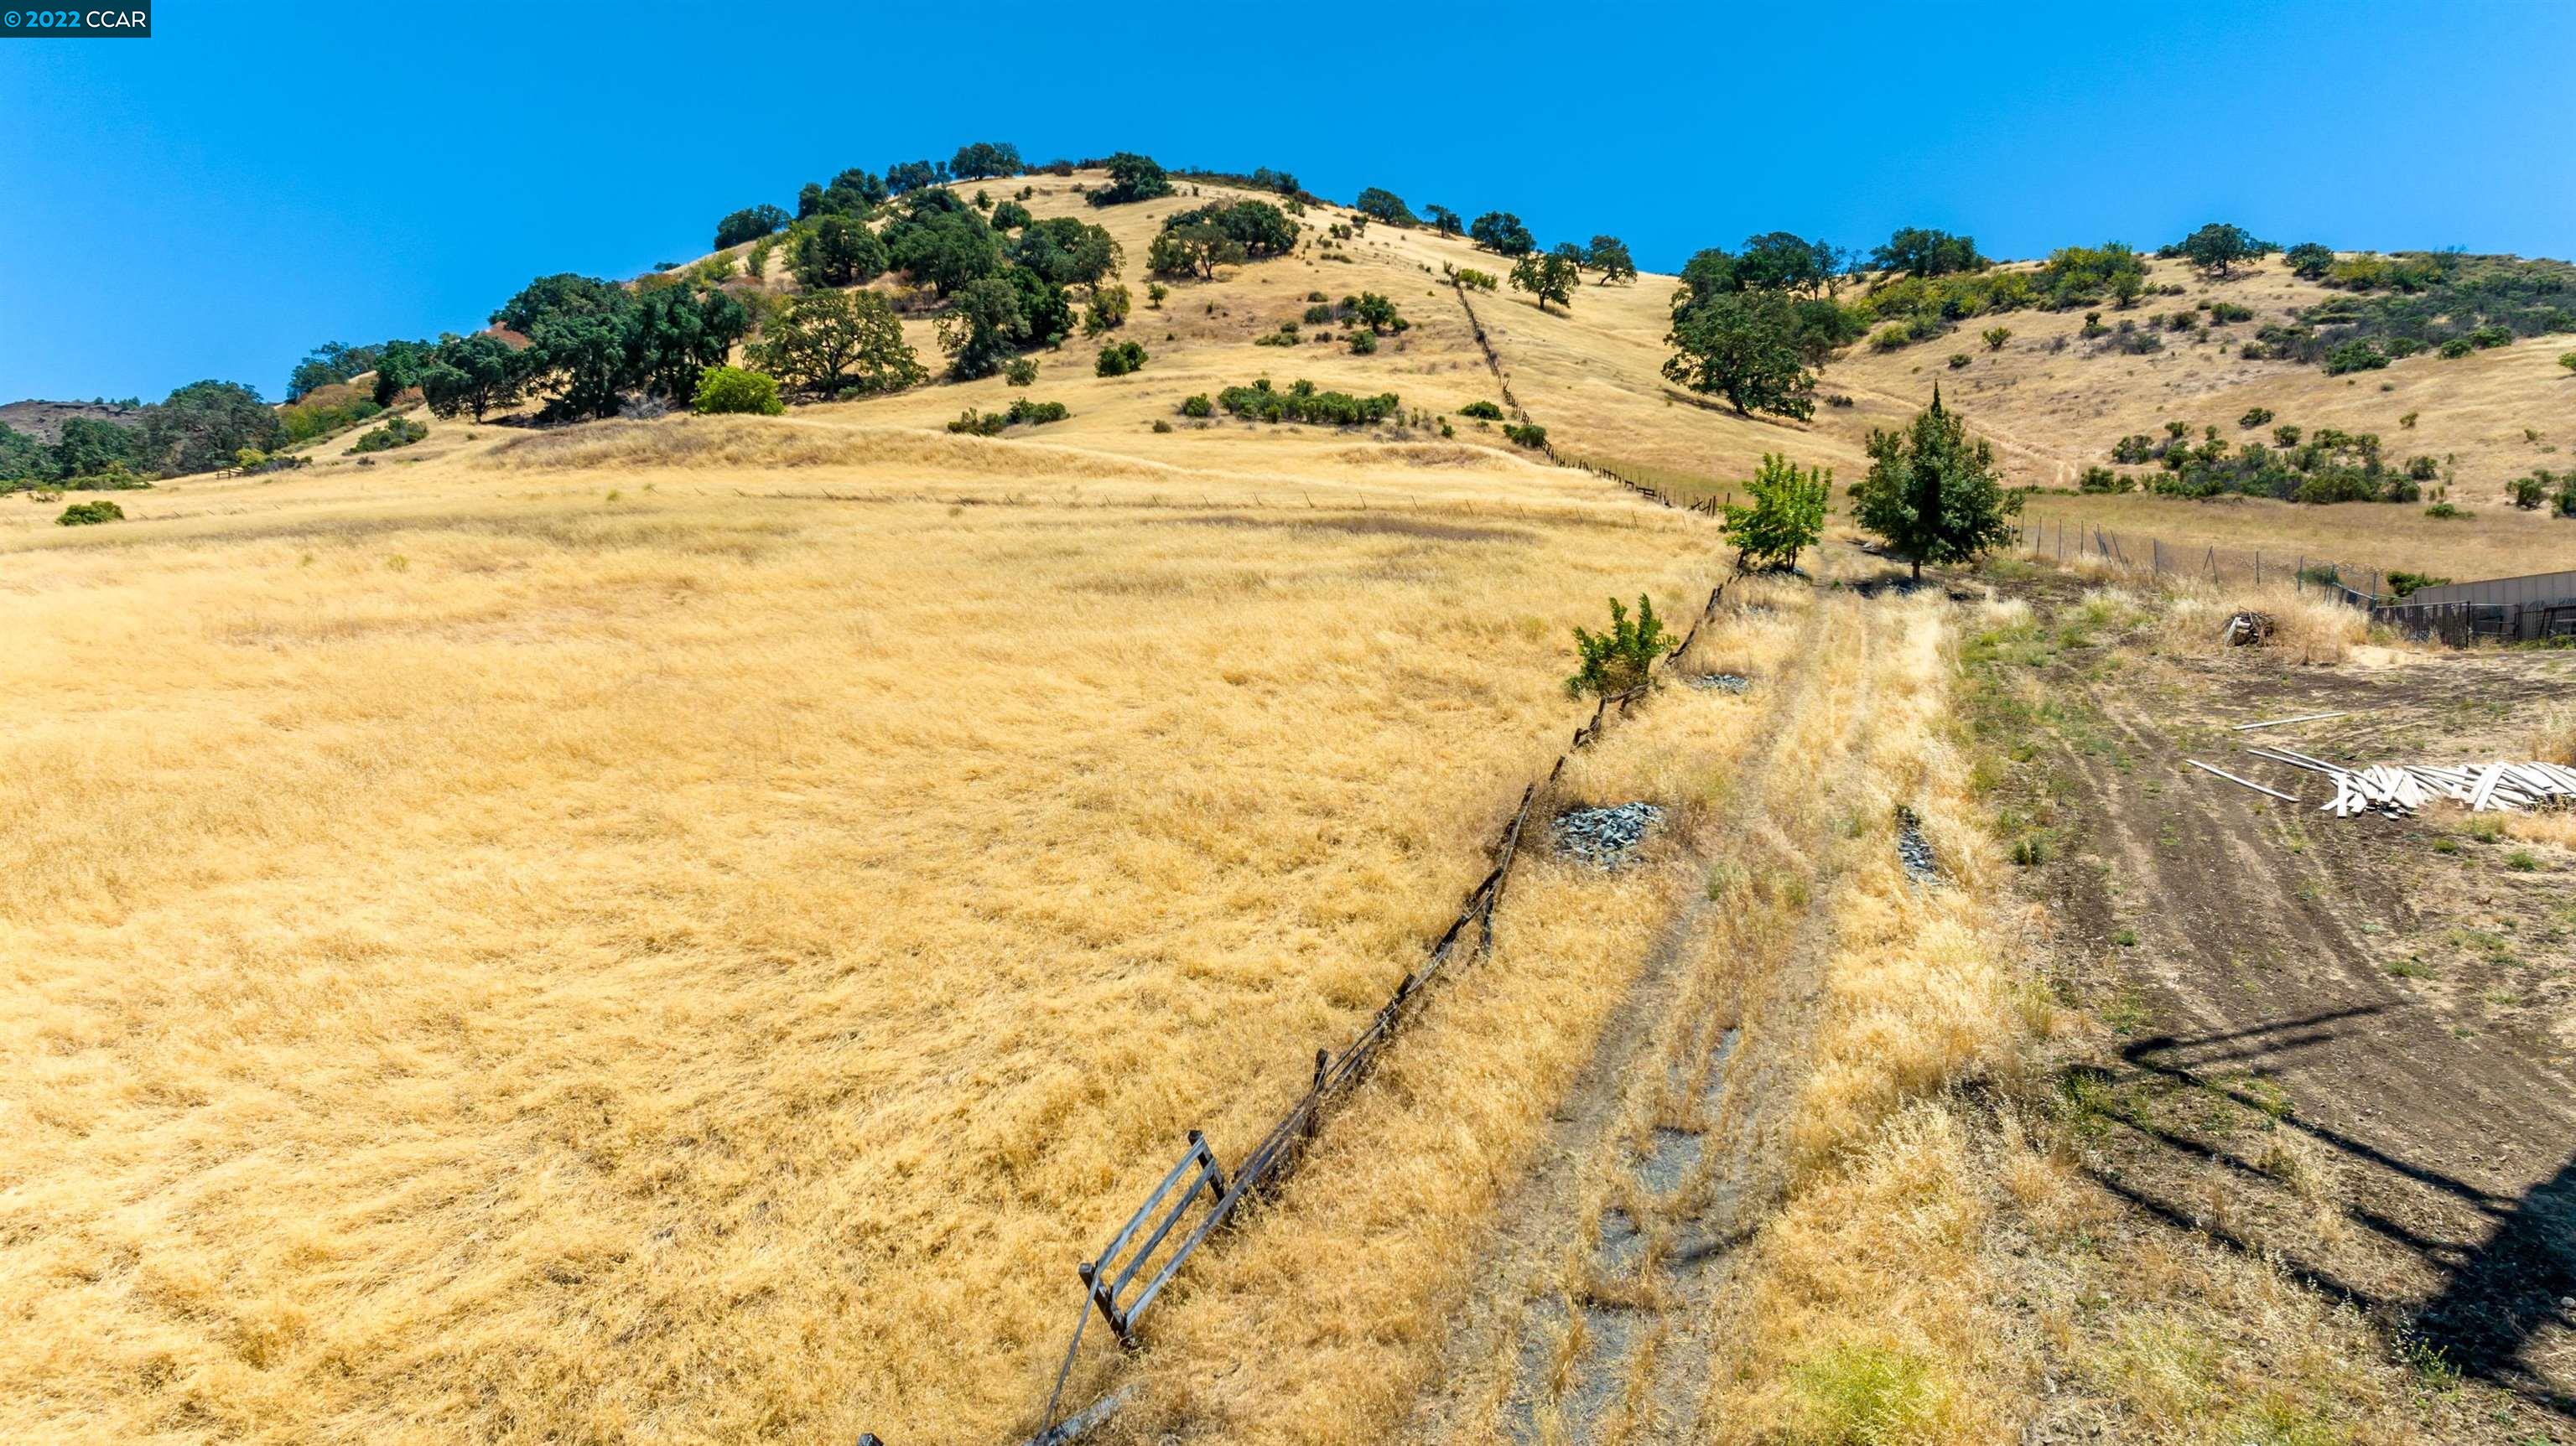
(688, 928)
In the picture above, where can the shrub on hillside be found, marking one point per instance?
(1529, 434)
(1118, 359)
(1474, 280)
(1363, 343)
(1131, 178)
(1022, 412)
(1197, 405)
(1301, 402)
(1623, 658)
(731, 390)
(1010, 216)
(2355, 356)
(395, 432)
(1020, 371)
(2255, 417)
(1483, 410)
(1106, 310)
(1996, 336)
(89, 514)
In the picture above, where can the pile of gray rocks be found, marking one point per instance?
(1604, 837)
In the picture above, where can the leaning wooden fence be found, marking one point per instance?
(1196, 1198)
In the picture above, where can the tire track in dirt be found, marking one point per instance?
(2416, 1169)
(1596, 1310)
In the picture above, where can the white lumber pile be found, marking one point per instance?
(2399, 789)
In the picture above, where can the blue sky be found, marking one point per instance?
(256, 179)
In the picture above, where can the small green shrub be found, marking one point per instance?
(1301, 401)
(2355, 356)
(1118, 359)
(1020, 371)
(2254, 417)
(1023, 411)
(728, 389)
(2444, 511)
(1958, 359)
(2456, 348)
(395, 432)
(90, 514)
(1197, 406)
(1363, 342)
(1531, 435)
(1161, 425)
(1622, 658)
(1996, 336)
(1484, 410)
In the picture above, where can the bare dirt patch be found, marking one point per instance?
(2339, 1045)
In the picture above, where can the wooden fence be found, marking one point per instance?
(1196, 1198)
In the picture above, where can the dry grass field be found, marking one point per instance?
(685, 929)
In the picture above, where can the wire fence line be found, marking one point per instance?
(2542, 613)
(1706, 506)
(2141, 552)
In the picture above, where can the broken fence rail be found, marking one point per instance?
(1199, 1174)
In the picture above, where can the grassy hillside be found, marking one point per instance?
(686, 927)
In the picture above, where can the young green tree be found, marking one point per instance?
(1443, 220)
(1502, 233)
(835, 342)
(1547, 277)
(1609, 256)
(2219, 245)
(1786, 516)
(1377, 313)
(1106, 310)
(1623, 658)
(1744, 346)
(2308, 260)
(1932, 491)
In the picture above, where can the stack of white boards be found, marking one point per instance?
(2400, 790)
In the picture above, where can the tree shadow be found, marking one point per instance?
(2497, 1291)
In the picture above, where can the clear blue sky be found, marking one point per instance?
(259, 178)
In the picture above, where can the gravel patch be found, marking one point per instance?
(1912, 849)
(1604, 837)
